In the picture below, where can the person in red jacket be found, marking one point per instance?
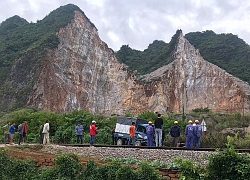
(92, 132)
(25, 130)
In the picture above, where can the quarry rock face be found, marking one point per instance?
(83, 73)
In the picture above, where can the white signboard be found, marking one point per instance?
(121, 128)
(203, 125)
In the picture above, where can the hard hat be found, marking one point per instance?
(196, 121)
(149, 122)
(190, 121)
(176, 122)
(93, 122)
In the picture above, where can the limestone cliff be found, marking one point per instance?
(83, 73)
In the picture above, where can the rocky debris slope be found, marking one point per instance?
(200, 157)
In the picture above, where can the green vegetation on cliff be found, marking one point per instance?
(28, 41)
(155, 56)
(224, 50)
(17, 36)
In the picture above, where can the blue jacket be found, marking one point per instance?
(12, 129)
(79, 130)
(198, 130)
(189, 130)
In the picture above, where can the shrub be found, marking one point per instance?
(125, 173)
(107, 171)
(47, 173)
(16, 169)
(189, 170)
(67, 166)
(215, 140)
(104, 136)
(228, 164)
(146, 172)
(89, 171)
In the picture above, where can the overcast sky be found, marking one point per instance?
(138, 23)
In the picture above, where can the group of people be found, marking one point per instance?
(155, 132)
(22, 129)
(9, 132)
(152, 132)
(92, 132)
(193, 133)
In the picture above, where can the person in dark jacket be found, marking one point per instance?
(41, 134)
(175, 132)
(158, 130)
(189, 132)
(113, 136)
(20, 133)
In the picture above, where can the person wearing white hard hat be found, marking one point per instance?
(92, 132)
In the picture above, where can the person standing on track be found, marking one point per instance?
(79, 133)
(92, 132)
(189, 132)
(150, 134)
(12, 133)
(6, 129)
(175, 133)
(197, 134)
(20, 133)
(25, 130)
(132, 134)
(41, 133)
(158, 130)
(46, 133)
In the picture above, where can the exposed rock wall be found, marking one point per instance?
(83, 73)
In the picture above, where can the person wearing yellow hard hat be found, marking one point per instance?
(150, 134)
(175, 133)
(197, 134)
(189, 132)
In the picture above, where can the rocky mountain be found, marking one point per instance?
(81, 72)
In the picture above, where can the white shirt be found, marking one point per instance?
(46, 128)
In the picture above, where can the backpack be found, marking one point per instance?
(149, 130)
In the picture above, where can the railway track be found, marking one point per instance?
(163, 147)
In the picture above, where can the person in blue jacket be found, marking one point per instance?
(189, 132)
(150, 134)
(197, 133)
(79, 133)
